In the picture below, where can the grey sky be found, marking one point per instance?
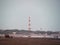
(44, 14)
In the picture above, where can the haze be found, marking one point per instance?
(44, 14)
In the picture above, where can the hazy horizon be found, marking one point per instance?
(45, 14)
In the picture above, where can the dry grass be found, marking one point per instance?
(29, 41)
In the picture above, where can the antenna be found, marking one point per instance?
(29, 24)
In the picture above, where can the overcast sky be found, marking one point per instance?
(44, 14)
